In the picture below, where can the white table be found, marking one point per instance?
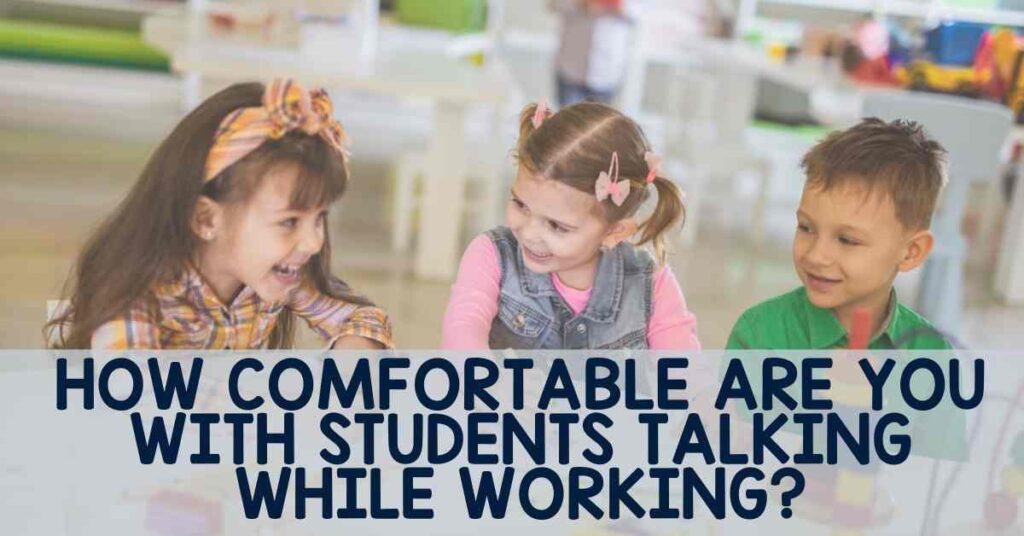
(453, 84)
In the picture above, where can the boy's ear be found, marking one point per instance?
(207, 219)
(619, 231)
(918, 248)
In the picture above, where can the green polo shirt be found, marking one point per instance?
(791, 322)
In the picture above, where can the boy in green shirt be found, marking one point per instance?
(864, 216)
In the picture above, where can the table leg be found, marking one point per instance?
(441, 210)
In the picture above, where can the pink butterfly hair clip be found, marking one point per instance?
(654, 163)
(609, 185)
(540, 114)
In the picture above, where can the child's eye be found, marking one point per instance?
(848, 242)
(518, 204)
(290, 222)
(803, 228)
(557, 228)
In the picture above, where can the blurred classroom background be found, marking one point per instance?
(732, 92)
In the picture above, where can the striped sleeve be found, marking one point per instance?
(332, 318)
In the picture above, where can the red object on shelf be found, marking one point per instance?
(876, 72)
(608, 4)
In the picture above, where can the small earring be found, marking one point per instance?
(208, 235)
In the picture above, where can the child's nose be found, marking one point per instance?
(819, 253)
(311, 242)
(527, 230)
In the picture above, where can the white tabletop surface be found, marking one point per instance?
(408, 62)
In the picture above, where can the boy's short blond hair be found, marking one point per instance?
(897, 157)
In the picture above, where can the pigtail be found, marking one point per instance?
(531, 118)
(668, 212)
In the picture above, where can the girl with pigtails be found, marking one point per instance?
(563, 272)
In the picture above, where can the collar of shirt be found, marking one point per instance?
(192, 288)
(825, 331)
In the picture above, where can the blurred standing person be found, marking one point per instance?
(593, 49)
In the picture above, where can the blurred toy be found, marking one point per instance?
(924, 75)
(993, 72)
(954, 43)
(1014, 98)
(872, 37)
(865, 57)
(901, 46)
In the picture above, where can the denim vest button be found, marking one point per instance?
(582, 328)
(520, 320)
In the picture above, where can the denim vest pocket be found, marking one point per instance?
(635, 340)
(521, 319)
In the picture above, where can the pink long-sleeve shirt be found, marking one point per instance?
(474, 304)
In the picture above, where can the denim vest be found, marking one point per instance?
(531, 313)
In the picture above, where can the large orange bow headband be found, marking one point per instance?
(287, 106)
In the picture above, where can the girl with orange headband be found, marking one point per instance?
(223, 240)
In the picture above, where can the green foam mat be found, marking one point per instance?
(810, 132)
(75, 44)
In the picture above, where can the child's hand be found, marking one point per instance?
(353, 342)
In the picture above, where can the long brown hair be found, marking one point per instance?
(574, 145)
(149, 237)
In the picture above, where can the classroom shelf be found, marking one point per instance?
(904, 8)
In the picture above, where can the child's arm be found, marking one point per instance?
(136, 329)
(340, 323)
(474, 300)
(672, 326)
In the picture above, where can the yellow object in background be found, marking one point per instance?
(1012, 479)
(777, 52)
(927, 75)
(858, 396)
(855, 488)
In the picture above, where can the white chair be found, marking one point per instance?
(973, 132)
(486, 178)
(709, 112)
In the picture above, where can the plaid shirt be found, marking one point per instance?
(190, 316)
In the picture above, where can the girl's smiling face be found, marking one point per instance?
(560, 229)
(263, 242)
